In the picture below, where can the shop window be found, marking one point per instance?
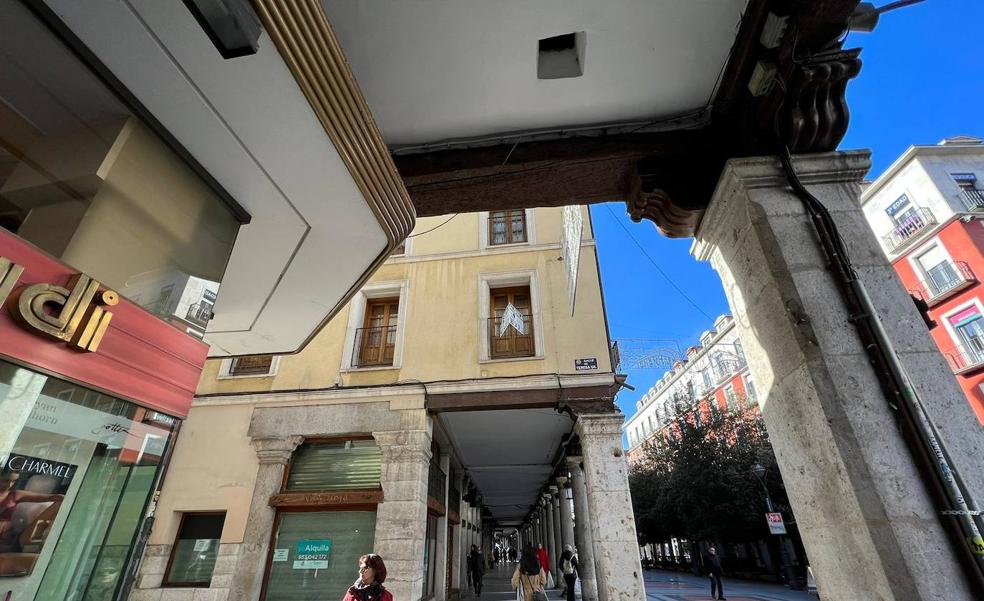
(195, 550)
(430, 556)
(510, 325)
(77, 471)
(375, 341)
(507, 227)
(255, 365)
(326, 519)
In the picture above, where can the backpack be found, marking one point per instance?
(567, 567)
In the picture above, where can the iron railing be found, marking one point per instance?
(973, 199)
(905, 230)
(944, 278)
(725, 368)
(374, 346)
(199, 314)
(966, 356)
(511, 343)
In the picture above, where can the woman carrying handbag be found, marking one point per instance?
(529, 578)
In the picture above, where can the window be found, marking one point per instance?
(970, 329)
(195, 550)
(376, 340)
(507, 227)
(731, 397)
(750, 390)
(256, 365)
(940, 275)
(510, 323)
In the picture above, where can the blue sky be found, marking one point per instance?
(922, 80)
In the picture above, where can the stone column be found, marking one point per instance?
(558, 543)
(441, 569)
(566, 520)
(616, 546)
(273, 455)
(548, 544)
(456, 577)
(868, 525)
(582, 531)
(401, 519)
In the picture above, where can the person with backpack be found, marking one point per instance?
(529, 576)
(569, 568)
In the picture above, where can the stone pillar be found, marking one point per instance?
(548, 544)
(582, 531)
(456, 578)
(566, 520)
(558, 543)
(868, 525)
(273, 455)
(616, 546)
(441, 569)
(401, 519)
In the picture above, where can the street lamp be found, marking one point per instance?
(760, 470)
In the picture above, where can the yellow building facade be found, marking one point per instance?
(431, 413)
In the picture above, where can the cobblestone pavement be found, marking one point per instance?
(674, 586)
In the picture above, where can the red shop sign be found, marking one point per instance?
(67, 324)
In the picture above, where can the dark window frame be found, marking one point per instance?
(508, 216)
(174, 547)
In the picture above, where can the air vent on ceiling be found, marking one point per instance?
(561, 56)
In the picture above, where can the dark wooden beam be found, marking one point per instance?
(593, 396)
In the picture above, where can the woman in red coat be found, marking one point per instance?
(541, 554)
(369, 585)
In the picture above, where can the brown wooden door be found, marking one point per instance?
(511, 343)
(378, 339)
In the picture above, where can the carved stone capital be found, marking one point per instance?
(814, 114)
(276, 450)
(404, 445)
(561, 481)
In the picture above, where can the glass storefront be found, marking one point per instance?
(87, 181)
(77, 469)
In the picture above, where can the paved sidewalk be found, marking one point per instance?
(675, 586)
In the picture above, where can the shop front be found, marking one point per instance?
(92, 389)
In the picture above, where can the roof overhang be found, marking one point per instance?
(664, 99)
(286, 135)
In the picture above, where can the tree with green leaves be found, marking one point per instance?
(695, 480)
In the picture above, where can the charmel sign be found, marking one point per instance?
(74, 314)
(49, 312)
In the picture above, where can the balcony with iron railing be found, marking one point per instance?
(972, 199)
(943, 281)
(510, 343)
(199, 314)
(374, 347)
(966, 357)
(907, 230)
(727, 367)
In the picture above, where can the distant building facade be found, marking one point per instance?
(927, 210)
(713, 374)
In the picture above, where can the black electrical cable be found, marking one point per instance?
(435, 227)
(939, 477)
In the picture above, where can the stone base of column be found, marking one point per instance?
(869, 527)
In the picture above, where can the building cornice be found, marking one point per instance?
(911, 153)
(408, 388)
(488, 252)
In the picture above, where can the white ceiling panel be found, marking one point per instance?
(507, 453)
(442, 69)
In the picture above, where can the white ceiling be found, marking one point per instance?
(508, 454)
(247, 122)
(440, 69)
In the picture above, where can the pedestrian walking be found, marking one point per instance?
(476, 569)
(529, 577)
(369, 585)
(544, 558)
(712, 561)
(569, 567)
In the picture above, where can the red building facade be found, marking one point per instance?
(928, 210)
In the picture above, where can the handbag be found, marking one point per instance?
(538, 595)
(550, 580)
